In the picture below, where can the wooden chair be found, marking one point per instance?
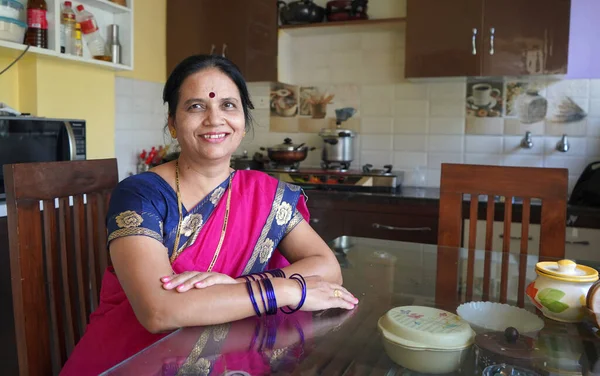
(57, 254)
(548, 184)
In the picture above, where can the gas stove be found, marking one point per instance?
(351, 180)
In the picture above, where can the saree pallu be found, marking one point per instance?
(262, 211)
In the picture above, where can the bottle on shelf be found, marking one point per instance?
(113, 41)
(91, 34)
(37, 24)
(67, 28)
(77, 42)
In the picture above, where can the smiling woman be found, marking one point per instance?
(193, 242)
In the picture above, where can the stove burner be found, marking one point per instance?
(274, 166)
(335, 166)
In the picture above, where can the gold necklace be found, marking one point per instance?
(176, 251)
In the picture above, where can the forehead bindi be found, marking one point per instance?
(212, 84)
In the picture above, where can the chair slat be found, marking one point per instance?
(524, 250)
(90, 210)
(79, 264)
(64, 217)
(472, 245)
(506, 248)
(53, 280)
(489, 238)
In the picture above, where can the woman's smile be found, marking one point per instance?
(214, 137)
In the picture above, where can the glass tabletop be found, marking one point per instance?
(385, 275)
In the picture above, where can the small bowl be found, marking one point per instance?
(489, 316)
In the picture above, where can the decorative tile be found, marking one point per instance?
(284, 100)
(485, 126)
(484, 98)
(569, 88)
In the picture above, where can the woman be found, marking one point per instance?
(183, 235)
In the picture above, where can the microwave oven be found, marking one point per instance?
(25, 139)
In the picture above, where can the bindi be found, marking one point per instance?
(211, 94)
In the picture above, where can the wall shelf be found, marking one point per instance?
(344, 26)
(105, 12)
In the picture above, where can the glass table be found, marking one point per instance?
(383, 275)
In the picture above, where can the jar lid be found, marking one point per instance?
(13, 21)
(508, 346)
(425, 328)
(566, 270)
(336, 132)
(287, 145)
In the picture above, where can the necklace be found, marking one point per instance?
(176, 250)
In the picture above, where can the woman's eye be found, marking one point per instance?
(228, 105)
(196, 106)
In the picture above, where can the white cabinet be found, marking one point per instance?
(105, 12)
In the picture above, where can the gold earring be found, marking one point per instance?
(173, 133)
(244, 134)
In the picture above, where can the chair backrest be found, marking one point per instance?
(57, 246)
(527, 183)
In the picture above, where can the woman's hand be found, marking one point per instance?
(322, 295)
(188, 280)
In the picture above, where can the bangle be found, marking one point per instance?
(272, 300)
(252, 299)
(298, 278)
(276, 273)
(262, 297)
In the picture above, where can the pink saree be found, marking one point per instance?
(262, 211)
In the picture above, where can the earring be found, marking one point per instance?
(244, 135)
(173, 133)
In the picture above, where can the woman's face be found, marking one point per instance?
(209, 119)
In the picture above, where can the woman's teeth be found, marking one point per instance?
(214, 136)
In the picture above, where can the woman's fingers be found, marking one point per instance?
(214, 279)
(169, 283)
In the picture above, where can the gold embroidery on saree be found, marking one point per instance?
(265, 250)
(128, 219)
(297, 218)
(265, 231)
(284, 213)
(135, 231)
(191, 224)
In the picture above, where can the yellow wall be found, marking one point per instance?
(150, 36)
(51, 87)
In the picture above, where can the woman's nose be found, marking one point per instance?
(214, 117)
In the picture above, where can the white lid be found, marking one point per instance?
(426, 328)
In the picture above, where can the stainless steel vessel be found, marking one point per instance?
(338, 147)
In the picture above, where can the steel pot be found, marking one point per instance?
(338, 145)
(288, 152)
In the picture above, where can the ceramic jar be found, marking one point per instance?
(532, 107)
(561, 288)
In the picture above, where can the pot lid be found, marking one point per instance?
(425, 328)
(509, 345)
(287, 145)
(566, 270)
(336, 132)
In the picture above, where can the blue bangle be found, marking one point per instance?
(270, 297)
(298, 278)
(252, 299)
(262, 297)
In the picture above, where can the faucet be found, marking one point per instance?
(563, 145)
(527, 142)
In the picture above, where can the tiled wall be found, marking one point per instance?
(417, 125)
(139, 121)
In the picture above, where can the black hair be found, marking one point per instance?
(197, 63)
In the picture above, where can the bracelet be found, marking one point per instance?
(275, 273)
(262, 297)
(270, 297)
(252, 299)
(302, 283)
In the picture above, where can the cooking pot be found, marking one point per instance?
(242, 162)
(338, 145)
(300, 12)
(288, 152)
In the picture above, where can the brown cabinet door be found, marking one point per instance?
(525, 37)
(193, 27)
(327, 223)
(443, 38)
(402, 227)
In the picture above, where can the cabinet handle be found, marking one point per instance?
(314, 220)
(212, 49)
(385, 227)
(580, 242)
(224, 49)
(474, 41)
(501, 236)
(492, 32)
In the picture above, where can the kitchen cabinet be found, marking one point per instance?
(487, 37)
(245, 31)
(327, 223)
(403, 227)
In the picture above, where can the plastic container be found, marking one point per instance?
(91, 34)
(11, 9)
(491, 316)
(424, 339)
(12, 30)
